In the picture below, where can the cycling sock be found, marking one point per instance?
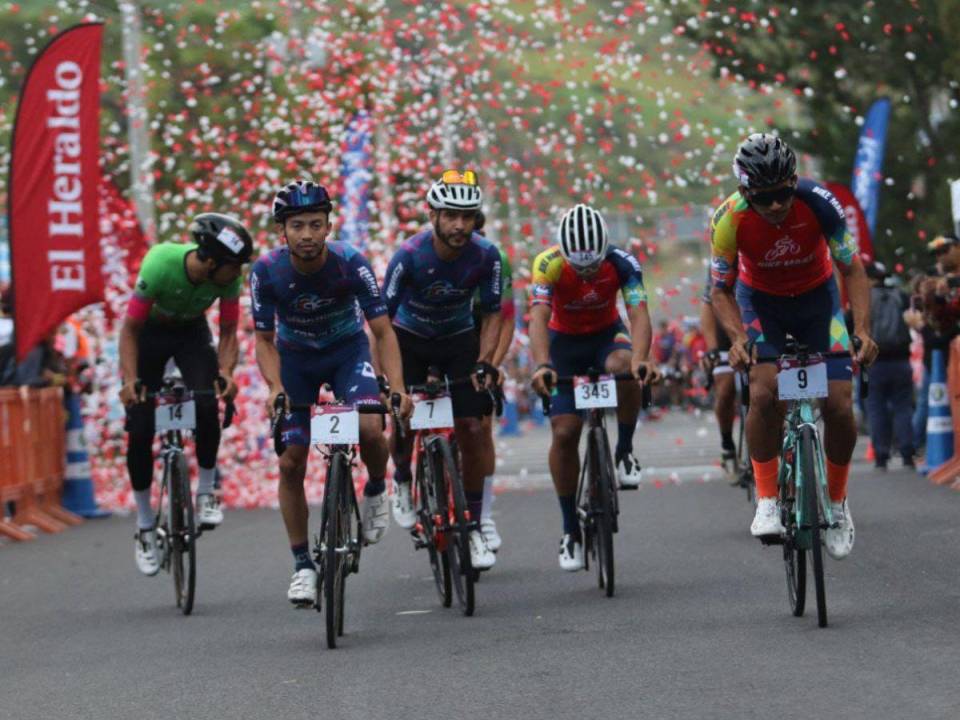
(624, 438)
(144, 511)
(374, 487)
(205, 480)
(765, 474)
(301, 557)
(568, 507)
(837, 480)
(726, 440)
(402, 474)
(487, 497)
(475, 504)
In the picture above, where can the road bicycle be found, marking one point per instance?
(177, 533)
(335, 431)
(598, 506)
(804, 498)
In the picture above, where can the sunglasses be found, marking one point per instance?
(455, 177)
(769, 197)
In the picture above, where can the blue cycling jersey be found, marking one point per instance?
(319, 310)
(431, 297)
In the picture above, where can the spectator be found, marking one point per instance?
(6, 336)
(891, 379)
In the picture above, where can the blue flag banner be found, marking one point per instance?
(868, 165)
(357, 175)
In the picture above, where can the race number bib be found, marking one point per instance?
(796, 382)
(175, 414)
(335, 425)
(590, 395)
(430, 413)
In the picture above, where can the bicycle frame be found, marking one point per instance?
(800, 414)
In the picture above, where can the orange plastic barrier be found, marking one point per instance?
(949, 472)
(32, 460)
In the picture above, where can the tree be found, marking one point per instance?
(836, 58)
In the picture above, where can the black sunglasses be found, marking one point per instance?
(769, 197)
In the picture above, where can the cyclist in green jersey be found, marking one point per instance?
(165, 319)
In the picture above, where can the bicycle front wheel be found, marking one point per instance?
(603, 507)
(334, 551)
(811, 512)
(458, 539)
(183, 541)
(431, 504)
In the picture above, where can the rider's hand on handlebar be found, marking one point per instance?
(867, 351)
(226, 388)
(646, 371)
(739, 356)
(272, 401)
(544, 378)
(484, 376)
(133, 392)
(406, 405)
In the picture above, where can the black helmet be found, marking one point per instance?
(221, 238)
(300, 197)
(763, 160)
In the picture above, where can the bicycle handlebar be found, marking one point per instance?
(594, 376)
(229, 410)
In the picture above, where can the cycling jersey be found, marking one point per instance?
(319, 310)
(786, 259)
(586, 305)
(164, 292)
(432, 298)
(507, 305)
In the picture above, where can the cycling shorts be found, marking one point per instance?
(813, 318)
(577, 354)
(348, 370)
(455, 357)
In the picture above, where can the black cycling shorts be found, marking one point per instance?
(454, 356)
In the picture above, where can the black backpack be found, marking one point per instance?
(887, 327)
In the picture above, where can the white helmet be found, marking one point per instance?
(454, 195)
(582, 236)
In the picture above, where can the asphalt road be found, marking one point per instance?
(699, 627)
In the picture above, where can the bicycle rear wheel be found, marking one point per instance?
(334, 555)
(183, 546)
(603, 509)
(811, 511)
(458, 539)
(432, 504)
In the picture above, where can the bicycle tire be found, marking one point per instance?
(333, 561)
(431, 503)
(183, 546)
(602, 483)
(458, 542)
(812, 518)
(794, 556)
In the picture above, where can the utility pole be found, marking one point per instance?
(141, 175)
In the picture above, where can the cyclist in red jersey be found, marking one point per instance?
(775, 243)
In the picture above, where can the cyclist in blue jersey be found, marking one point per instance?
(429, 289)
(320, 292)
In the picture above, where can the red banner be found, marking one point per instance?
(856, 220)
(54, 186)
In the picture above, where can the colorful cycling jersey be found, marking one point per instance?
(586, 305)
(432, 298)
(164, 292)
(507, 305)
(786, 259)
(319, 310)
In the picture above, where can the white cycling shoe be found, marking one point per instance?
(839, 540)
(766, 521)
(402, 505)
(489, 529)
(209, 512)
(376, 517)
(303, 588)
(629, 472)
(571, 554)
(145, 552)
(481, 556)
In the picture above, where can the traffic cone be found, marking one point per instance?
(939, 423)
(77, 484)
(870, 454)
